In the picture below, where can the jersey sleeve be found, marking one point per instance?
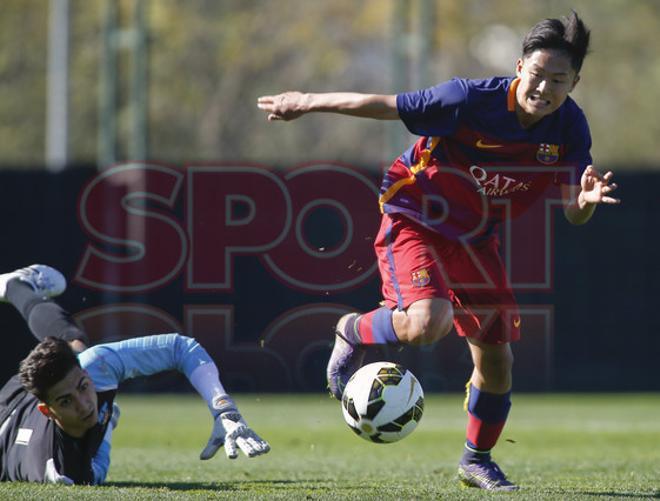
(101, 460)
(434, 111)
(110, 364)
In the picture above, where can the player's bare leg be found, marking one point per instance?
(492, 366)
(487, 403)
(423, 322)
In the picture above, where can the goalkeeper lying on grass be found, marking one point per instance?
(58, 413)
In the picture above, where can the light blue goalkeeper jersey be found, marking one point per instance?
(111, 363)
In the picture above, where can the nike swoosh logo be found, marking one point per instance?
(481, 144)
(516, 322)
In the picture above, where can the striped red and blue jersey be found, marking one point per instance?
(475, 163)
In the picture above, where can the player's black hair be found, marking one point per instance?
(46, 365)
(568, 35)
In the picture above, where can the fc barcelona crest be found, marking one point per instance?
(547, 153)
(421, 278)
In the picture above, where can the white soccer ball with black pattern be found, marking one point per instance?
(383, 402)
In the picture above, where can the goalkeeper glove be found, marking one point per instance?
(231, 430)
(52, 476)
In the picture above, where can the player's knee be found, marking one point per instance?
(431, 323)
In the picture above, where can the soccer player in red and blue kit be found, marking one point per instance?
(488, 150)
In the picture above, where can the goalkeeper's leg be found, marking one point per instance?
(29, 290)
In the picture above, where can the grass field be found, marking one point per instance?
(556, 447)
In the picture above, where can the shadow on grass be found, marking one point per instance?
(235, 485)
(622, 495)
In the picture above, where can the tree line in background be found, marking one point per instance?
(209, 60)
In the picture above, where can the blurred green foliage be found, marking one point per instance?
(210, 60)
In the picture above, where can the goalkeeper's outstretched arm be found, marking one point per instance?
(109, 364)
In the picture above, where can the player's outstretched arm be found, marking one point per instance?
(291, 105)
(580, 201)
(111, 363)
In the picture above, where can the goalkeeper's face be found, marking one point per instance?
(72, 403)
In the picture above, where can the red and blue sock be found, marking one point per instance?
(487, 413)
(375, 327)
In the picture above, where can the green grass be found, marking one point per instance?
(564, 447)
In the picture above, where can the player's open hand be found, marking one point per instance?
(596, 188)
(231, 430)
(286, 106)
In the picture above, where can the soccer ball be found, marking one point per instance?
(383, 402)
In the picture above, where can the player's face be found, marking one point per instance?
(72, 403)
(546, 77)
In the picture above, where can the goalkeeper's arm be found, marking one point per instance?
(109, 364)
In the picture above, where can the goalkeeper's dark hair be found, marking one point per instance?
(568, 35)
(46, 365)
